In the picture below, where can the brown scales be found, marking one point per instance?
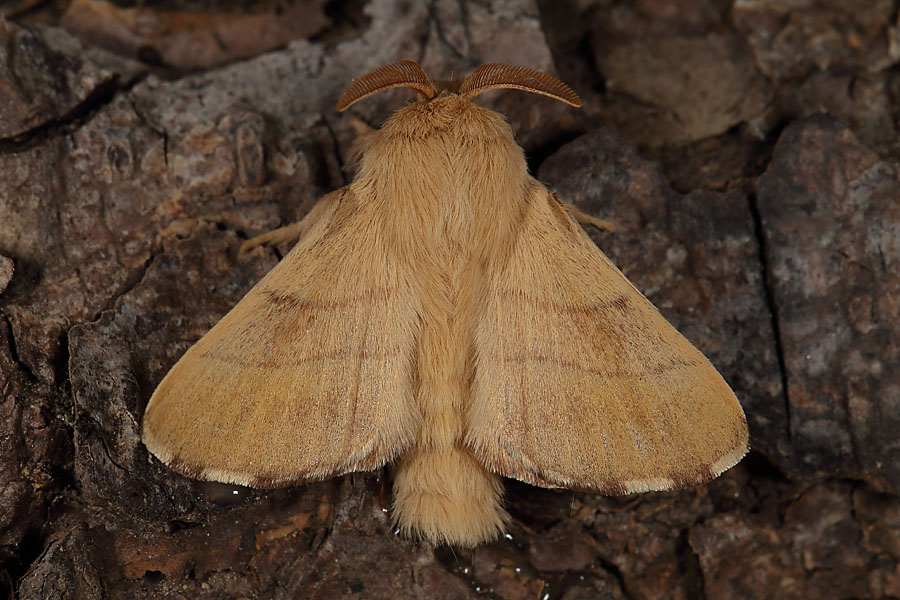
(598, 308)
(608, 373)
(313, 357)
(292, 302)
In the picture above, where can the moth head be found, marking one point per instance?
(493, 76)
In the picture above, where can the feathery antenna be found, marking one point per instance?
(405, 73)
(495, 76)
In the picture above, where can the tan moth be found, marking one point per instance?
(446, 313)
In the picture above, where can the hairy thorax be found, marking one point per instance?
(444, 173)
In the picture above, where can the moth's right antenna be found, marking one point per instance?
(405, 73)
(495, 76)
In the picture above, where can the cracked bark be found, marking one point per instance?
(775, 259)
(768, 287)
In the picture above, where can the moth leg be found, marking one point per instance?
(586, 219)
(294, 231)
(276, 236)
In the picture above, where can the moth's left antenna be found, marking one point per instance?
(405, 73)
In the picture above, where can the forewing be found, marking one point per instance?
(580, 382)
(308, 376)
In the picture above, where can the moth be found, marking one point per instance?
(446, 313)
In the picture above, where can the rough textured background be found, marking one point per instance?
(747, 152)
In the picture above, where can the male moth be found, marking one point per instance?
(447, 313)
